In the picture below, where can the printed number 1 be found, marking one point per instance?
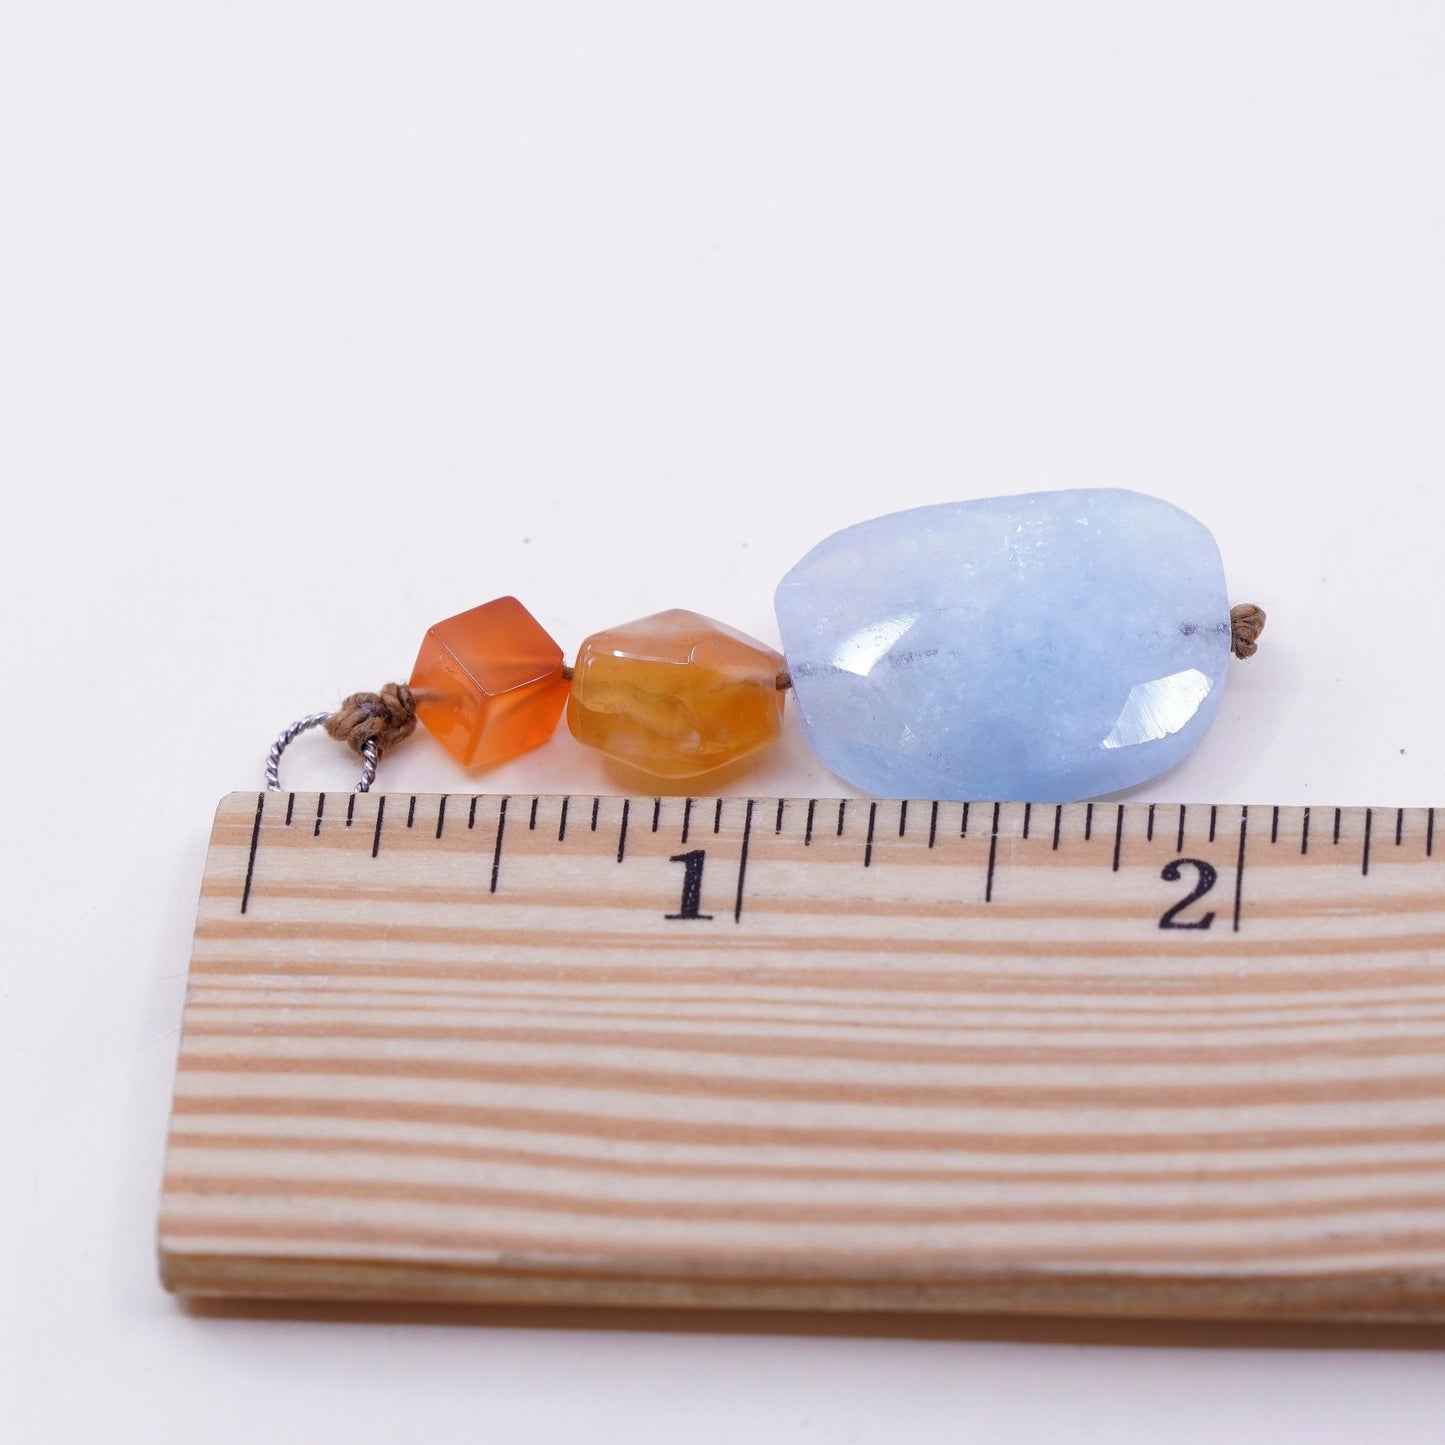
(691, 884)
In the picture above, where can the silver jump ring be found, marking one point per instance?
(273, 758)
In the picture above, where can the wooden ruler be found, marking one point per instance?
(1133, 1060)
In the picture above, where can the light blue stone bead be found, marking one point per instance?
(1047, 647)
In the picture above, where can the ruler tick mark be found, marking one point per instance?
(1213, 819)
(350, 809)
(1089, 822)
(441, 815)
(933, 825)
(778, 822)
(1179, 842)
(562, 822)
(963, 826)
(992, 856)
(743, 861)
(622, 831)
(1239, 867)
(808, 831)
(717, 817)
(411, 811)
(868, 846)
(1274, 826)
(1118, 837)
(290, 804)
(1028, 810)
(656, 813)
(472, 813)
(1365, 855)
(1399, 825)
(497, 851)
(1149, 830)
(1304, 837)
(532, 817)
(320, 809)
(902, 817)
(376, 836)
(1430, 833)
(251, 859)
(842, 808)
(686, 818)
(1337, 825)
(1058, 823)
(596, 808)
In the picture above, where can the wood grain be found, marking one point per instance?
(906, 1056)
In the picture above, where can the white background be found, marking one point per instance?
(321, 322)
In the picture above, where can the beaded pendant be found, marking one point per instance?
(1048, 647)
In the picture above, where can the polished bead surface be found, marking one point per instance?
(489, 683)
(1047, 647)
(675, 694)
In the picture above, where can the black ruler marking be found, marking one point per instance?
(1028, 810)
(1179, 842)
(251, 859)
(1239, 867)
(290, 805)
(441, 815)
(1149, 831)
(562, 823)
(1304, 837)
(596, 808)
(992, 856)
(963, 826)
(808, 831)
(1399, 826)
(1430, 834)
(933, 825)
(842, 808)
(320, 809)
(350, 809)
(1274, 826)
(472, 813)
(380, 814)
(902, 817)
(1213, 819)
(622, 831)
(497, 851)
(1365, 855)
(743, 861)
(1337, 825)
(1058, 823)
(1088, 822)
(717, 817)
(656, 813)
(411, 811)
(686, 818)
(778, 822)
(532, 816)
(868, 845)
(1118, 838)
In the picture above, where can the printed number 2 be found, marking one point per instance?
(691, 884)
(1207, 877)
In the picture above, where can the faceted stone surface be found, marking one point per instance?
(675, 694)
(489, 683)
(1047, 647)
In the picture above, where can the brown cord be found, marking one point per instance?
(1246, 622)
(383, 718)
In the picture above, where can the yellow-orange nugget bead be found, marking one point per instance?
(489, 683)
(675, 694)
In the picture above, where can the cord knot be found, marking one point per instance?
(1246, 622)
(384, 718)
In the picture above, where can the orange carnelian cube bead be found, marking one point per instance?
(489, 683)
(675, 694)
